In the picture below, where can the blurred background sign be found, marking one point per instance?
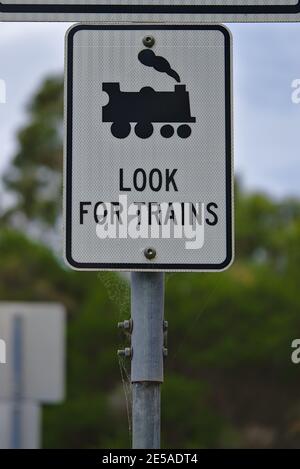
(203, 10)
(35, 337)
(34, 370)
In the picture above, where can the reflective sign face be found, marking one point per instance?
(200, 10)
(148, 151)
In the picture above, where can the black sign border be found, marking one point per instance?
(69, 150)
(152, 9)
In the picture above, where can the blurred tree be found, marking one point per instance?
(34, 177)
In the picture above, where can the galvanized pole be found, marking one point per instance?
(18, 371)
(147, 342)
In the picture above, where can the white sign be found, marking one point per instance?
(198, 10)
(34, 334)
(148, 150)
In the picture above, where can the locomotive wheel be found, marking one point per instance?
(167, 131)
(144, 129)
(184, 131)
(120, 129)
(148, 91)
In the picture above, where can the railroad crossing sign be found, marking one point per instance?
(148, 149)
(198, 10)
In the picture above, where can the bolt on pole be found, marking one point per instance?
(147, 353)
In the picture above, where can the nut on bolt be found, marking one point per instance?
(148, 41)
(126, 352)
(126, 325)
(150, 253)
(165, 352)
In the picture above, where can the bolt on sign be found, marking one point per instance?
(168, 10)
(148, 171)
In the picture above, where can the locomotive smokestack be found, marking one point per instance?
(147, 57)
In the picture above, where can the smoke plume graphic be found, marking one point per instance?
(147, 57)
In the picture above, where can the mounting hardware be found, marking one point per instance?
(148, 41)
(126, 325)
(165, 325)
(126, 352)
(165, 352)
(150, 253)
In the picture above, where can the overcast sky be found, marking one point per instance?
(267, 122)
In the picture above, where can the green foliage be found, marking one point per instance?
(35, 174)
(229, 379)
(202, 428)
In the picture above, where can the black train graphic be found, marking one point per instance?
(144, 108)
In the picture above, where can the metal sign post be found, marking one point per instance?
(148, 173)
(18, 377)
(148, 348)
(147, 312)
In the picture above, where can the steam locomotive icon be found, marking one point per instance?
(146, 107)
